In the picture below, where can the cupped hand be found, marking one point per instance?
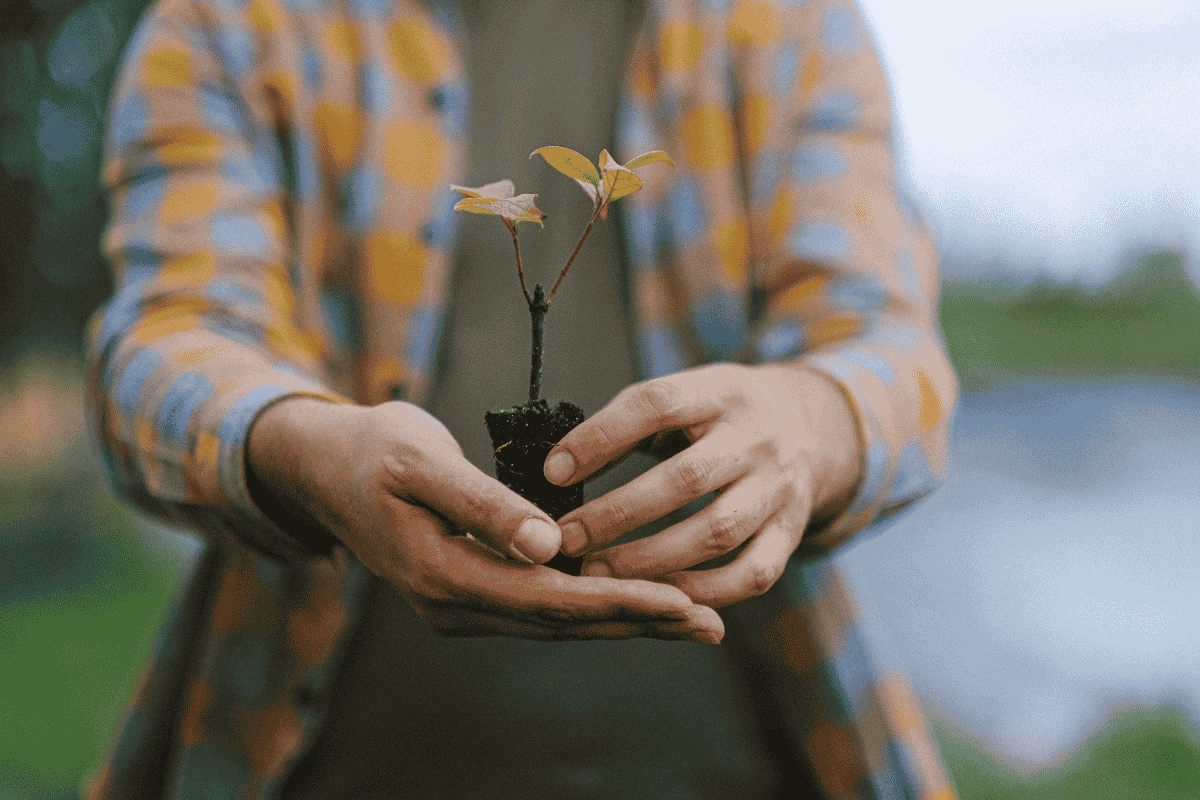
(777, 443)
(392, 484)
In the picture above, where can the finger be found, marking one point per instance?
(431, 568)
(476, 503)
(466, 575)
(668, 403)
(752, 573)
(706, 466)
(724, 524)
(468, 582)
(699, 627)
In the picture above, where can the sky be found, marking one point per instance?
(1057, 133)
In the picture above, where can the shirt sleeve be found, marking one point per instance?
(785, 230)
(200, 334)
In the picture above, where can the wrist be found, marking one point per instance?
(286, 455)
(837, 451)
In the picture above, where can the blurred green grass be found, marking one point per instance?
(1146, 322)
(71, 657)
(1140, 754)
(83, 585)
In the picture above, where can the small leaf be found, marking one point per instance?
(619, 181)
(569, 163)
(497, 190)
(513, 209)
(649, 158)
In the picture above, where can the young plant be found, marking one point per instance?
(523, 436)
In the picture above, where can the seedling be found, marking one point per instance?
(523, 436)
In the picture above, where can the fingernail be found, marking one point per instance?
(574, 539)
(536, 540)
(559, 467)
(597, 569)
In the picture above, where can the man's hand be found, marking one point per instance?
(777, 443)
(392, 484)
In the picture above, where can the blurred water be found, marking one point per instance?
(1056, 574)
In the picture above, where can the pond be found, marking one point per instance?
(1056, 575)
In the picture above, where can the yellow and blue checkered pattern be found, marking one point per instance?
(281, 224)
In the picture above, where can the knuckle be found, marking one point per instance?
(703, 593)
(617, 516)
(766, 450)
(760, 577)
(662, 398)
(724, 533)
(602, 433)
(787, 493)
(693, 475)
(487, 514)
(401, 467)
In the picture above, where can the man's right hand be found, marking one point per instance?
(394, 487)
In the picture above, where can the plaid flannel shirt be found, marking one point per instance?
(278, 171)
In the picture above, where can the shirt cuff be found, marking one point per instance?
(870, 405)
(221, 447)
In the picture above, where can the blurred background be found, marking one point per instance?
(1045, 602)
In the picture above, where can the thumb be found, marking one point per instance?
(482, 506)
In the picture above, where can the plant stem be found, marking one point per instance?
(517, 247)
(571, 260)
(537, 310)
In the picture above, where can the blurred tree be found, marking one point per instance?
(57, 62)
(1139, 754)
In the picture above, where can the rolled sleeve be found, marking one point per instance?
(785, 237)
(848, 270)
(200, 336)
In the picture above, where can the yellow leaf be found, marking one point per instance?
(513, 209)
(649, 158)
(569, 163)
(619, 181)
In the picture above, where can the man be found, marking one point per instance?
(270, 162)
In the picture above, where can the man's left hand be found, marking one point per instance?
(776, 442)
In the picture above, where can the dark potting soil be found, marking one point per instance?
(522, 437)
